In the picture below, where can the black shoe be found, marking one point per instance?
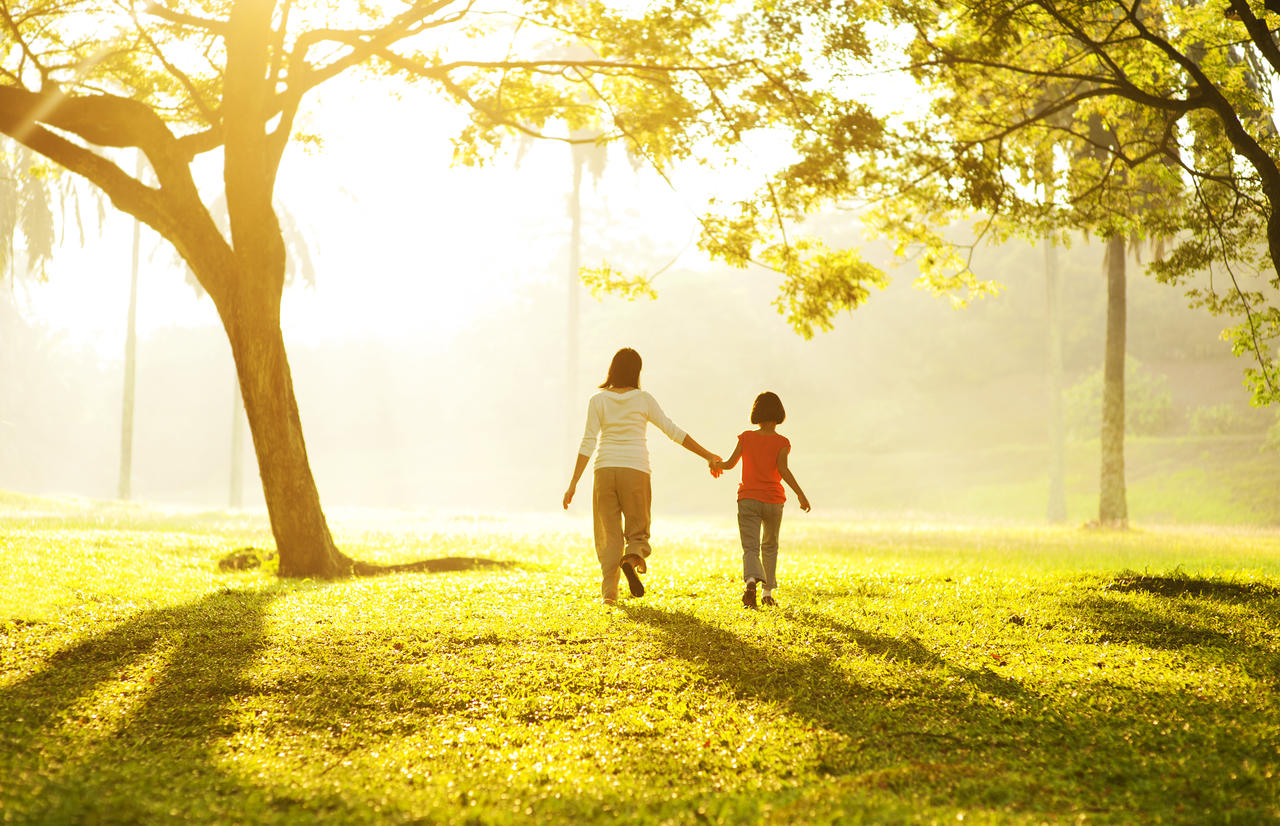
(769, 602)
(633, 579)
(749, 596)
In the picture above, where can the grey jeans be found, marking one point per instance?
(756, 518)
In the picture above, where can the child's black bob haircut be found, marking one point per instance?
(624, 370)
(768, 408)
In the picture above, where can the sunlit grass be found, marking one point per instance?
(914, 672)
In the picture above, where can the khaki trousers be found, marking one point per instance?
(620, 502)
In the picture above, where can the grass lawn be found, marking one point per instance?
(913, 673)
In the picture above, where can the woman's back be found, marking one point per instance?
(619, 420)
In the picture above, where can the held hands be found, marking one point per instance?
(716, 465)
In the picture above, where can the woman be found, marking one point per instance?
(620, 496)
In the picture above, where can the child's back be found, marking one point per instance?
(761, 496)
(760, 477)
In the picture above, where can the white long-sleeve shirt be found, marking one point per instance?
(620, 420)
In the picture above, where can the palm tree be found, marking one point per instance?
(26, 211)
(1057, 508)
(28, 195)
(124, 488)
(586, 156)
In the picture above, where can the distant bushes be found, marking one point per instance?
(1219, 420)
(1273, 434)
(1148, 405)
(1149, 410)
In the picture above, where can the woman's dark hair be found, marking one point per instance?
(624, 370)
(768, 408)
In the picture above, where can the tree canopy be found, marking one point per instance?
(1150, 120)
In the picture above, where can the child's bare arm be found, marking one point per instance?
(785, 473)
(728, 464)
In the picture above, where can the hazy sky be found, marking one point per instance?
(403, 241)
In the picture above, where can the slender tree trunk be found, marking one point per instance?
(236, 497)
(1057, 509)
(575, 295)
(301, 532)
(1112, 506)
(124, 489)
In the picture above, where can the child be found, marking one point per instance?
(760, 496)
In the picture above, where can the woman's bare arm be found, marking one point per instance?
(690, 444)
(577, 474)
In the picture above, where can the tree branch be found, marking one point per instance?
(1248, 312)
(363, 44)
(125, 192)
(460, 93)
(1241, 140)
(210, 116)
(27, 54)
(200, 142)
(174, 210)
(1259, 33)
(546, 66)
(218, 27)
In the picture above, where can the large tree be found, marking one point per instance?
(1132, 121)
(81, 80)
(1171, 101)
(1139, 116)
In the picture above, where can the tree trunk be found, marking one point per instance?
(575, 290)
(1057, 509)
(236, 493)
(303, 542)
(1112, 507)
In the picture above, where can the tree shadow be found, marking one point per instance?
(935, 731)
(1183, 586)
(436, 565)
(977, 739)
(1198, 616)
(143, 707)
(1121, 620)
(251, 558)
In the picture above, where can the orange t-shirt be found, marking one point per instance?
(760, 478)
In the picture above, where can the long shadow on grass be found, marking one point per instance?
(910, 650)
(817, 688)
(1184, 586)
(124, 726)
(1192, 615)
(986, 741)
(1256, 596)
